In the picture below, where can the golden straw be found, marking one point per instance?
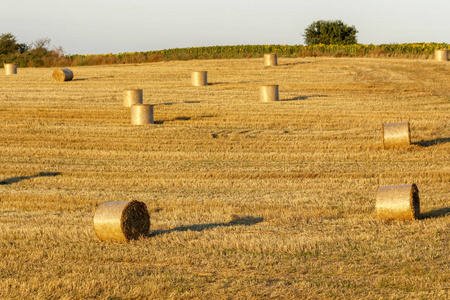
(62, 75)
(142, 114)
(121, 221)
(132, 96)
(396, 134)
(270, 60)
(199, 78)
(268, 93)
(441, 55)
(398, 202)
(10, 69)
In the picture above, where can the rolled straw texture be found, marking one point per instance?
(62, 75)
(396, 134)
(142, 114)
(270, 60)
(121, 221)
(398, 202)
(132, 96)
(441, 55)
(10, 69)
(199, 78)
(268, 93)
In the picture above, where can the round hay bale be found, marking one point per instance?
(10, 69)
(398, 202)
(199, 78)
(62, 75)
(396, 135)
(268, 93)
(441, 55)
(142, 114)
(132, 96)
(121, 221)
(270, 60)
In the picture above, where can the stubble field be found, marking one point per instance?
(247, 200)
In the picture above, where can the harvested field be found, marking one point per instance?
(247, 199)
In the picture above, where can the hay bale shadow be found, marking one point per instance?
(296, 63)
(303, 97)
(432, 142)
(92, 78)
(18, 179)
(437, 213)
(175, 119)
(245, 221)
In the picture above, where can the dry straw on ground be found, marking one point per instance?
(142, 114)
(62, 75)
(121, 221)
(268, 93)
(270, 60)
(396, 134)
(398, 202)
(296, 176)
(10, 69)
(199, 78)
(441, 55)
(132, 96)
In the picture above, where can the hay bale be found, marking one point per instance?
(121, 221)
(62, 75)
(396, 134)
(142, 114)
(199, 78)
(268, 93)
(441, 55)
(10, 69)
(270, 60)
(398, 202)
(132, 96)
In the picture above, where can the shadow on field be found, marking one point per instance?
(304, 97)
(175, 119)
(247, 221)
(437, 213)
(231, 82)
(18, 179)
(432, 142)
(172, 103)
(92, 78)
(296, 63)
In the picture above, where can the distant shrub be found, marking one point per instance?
(330, 33)
(35, 55)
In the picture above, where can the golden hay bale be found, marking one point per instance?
(398, 202)
(142, 114)
(10, 69)
(270, 60)
(441, 55)
(132, 96)
(121, 221)
(62, 75)
(268, 93)
(199, 78)
(396, 134)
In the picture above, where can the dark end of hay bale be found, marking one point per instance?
(398, 202)
(121, 221)
(62, 75)
(135, 220)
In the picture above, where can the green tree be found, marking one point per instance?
(9, 45)
(330, 33)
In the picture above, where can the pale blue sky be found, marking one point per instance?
(113, 26)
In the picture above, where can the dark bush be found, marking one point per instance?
(330, 33)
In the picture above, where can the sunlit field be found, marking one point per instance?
(247, 200)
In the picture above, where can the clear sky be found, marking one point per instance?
(113, 26)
